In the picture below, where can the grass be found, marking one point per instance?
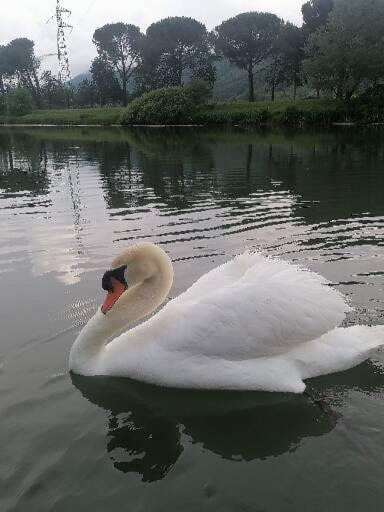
(277, 106)
(86, 116)
(280, 112)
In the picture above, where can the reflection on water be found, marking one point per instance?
(144, 423)
(69, 200)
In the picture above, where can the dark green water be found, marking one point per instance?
(70, 199)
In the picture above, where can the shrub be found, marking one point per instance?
(199, 91)
(374, 94)
(293, 116)
(214, 116)
(170, 105)
(369, 106)
(19, 102)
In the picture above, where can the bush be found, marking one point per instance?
(199, 91)
(293, 116)
(374, 94)
(214, 116)
(170, 105)
(19, 102)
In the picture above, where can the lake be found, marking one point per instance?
(70, 200)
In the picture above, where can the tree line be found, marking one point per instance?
(337, 52)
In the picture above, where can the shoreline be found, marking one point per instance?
(210, 125)
(280, 113)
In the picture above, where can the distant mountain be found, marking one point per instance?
(79, 78)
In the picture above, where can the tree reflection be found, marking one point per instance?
(23, 164)
(335, 174)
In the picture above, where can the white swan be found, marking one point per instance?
(254, 323)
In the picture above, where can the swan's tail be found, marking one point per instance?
(338, 350)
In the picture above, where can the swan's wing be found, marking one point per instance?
(251, 307)
(220, 277)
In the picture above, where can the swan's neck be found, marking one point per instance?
(86, 356)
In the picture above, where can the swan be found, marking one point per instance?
(254, 323)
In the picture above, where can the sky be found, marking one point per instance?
(29, 18)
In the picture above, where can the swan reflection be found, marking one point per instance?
(149, 426)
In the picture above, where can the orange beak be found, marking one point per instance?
(117, 290)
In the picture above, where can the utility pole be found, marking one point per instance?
(62, 52)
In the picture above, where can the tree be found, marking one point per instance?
(247, 40)
(315, 14)
(176, 48)
(119, 45)
(3, 69)
(106, 83)
(19, 102)
(275, 73)
(86, 93)
(199, 91)
(22, 62)
(347, 51)
(54, 94)
(290, 45)
(3, 105)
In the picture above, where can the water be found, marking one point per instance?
(70, 199)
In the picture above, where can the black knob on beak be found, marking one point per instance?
(106, 281)
(118, 274)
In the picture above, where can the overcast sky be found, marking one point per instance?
(28, 18)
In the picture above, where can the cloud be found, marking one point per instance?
(28, 18)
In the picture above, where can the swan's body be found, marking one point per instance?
(254, 323)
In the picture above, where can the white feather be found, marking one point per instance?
(253, 323)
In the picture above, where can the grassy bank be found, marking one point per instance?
(87, 116)
(279, 112)
(286, 112)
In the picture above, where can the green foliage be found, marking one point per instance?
(233, 117)
(248, 39)
(281, 112)
(374, 95)
(174, 48)
(368, 107)
(3, 105)
(19, 102)
(315, 14)
(169, 105)
(347, 51)
(54, 94)
(20, 62)
(289, 46)
(119, 44)
(293, 116)
(90, 116)
(199, 91)
(85, 93)
(105, 81)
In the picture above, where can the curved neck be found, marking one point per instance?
(139, 301)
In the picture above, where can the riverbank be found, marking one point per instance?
(281, 112)
(62, 117)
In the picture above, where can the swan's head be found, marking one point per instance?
(140, 263)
